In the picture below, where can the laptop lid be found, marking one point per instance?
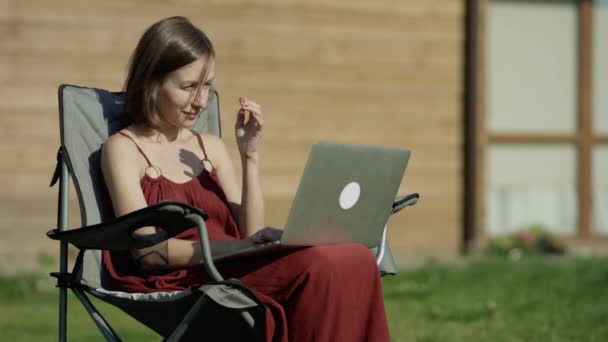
(345, 194)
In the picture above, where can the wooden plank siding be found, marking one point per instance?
(370, 72)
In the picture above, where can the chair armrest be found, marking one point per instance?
(384, 257)
(173, 217)
(401, 202)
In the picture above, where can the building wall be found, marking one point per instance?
(369, 72)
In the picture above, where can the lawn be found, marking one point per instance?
(490, 299)
(496, 299)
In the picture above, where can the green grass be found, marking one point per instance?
(492, 299)
(495, 299)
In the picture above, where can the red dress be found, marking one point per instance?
(322, 293)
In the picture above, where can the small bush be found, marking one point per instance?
(535, 239)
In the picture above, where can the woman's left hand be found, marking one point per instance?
(248, 130)
(267, 234)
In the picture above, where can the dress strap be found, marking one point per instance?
(200, 143)
(136, 145)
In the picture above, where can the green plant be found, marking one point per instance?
(534, 239)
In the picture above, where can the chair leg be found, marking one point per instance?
(62, 224)
(190, 316)
(63, 294)
(63, 309)
(101, 323)
(193, 313)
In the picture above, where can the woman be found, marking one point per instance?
(324, 293)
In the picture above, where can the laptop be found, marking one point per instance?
(345, 195)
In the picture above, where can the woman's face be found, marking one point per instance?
(181, 98)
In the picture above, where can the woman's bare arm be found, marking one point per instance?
(246, 201)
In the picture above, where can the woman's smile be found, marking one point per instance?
(193, 115)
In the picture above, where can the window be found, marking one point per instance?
(545, 137)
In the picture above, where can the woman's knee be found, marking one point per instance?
(341, 258)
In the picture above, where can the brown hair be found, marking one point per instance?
(167, 45)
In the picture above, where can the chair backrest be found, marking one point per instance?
(87, 117)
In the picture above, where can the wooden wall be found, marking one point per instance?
(373, 72)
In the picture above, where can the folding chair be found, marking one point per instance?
(88, 116)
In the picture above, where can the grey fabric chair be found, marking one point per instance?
(88, 116)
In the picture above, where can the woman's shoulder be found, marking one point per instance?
(214, 147)
(210, 141)
(117, 138)
(205, 136)
(119, 142)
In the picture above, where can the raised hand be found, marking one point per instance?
(248, 128)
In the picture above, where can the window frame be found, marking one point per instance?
(478, 137)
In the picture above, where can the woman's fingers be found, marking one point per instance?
(272, 234)
(240, 119)
(267, 234)
(251, 106)
(255, 118)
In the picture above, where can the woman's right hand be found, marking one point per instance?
(264, 235)
(248, 130)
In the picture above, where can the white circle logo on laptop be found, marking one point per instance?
(350, 195)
